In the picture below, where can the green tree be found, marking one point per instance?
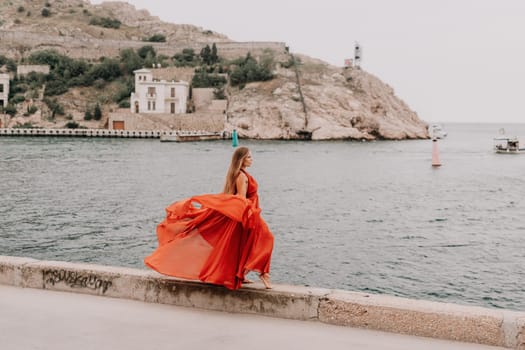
(130, 60)
(11, 65)
(125, 86)
(97, 112)
(108, 70)
(206, 54)
(54, 107)
(144, 50)
(188, 55)
(214, 58)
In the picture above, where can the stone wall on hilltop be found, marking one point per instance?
(15, 44)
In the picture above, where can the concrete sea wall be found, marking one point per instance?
(378, 312)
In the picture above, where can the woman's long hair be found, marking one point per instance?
(235, 168)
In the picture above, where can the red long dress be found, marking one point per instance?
(218, 242)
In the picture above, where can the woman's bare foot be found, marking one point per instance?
(265, 279)
(246, 281)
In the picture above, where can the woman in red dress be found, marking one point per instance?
(217, 238)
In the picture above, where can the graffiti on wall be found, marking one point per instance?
(76, 279)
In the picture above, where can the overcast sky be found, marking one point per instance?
(449, 60)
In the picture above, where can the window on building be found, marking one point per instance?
(1, 87)
(149, 105)
(172, 108)
(153, 105)
(151, 90)
(140, 77)
(172, 92)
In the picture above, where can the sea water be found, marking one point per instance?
(362, 216)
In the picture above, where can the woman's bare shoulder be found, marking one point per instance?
(242, 177)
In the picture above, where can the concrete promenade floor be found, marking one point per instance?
(43, 319)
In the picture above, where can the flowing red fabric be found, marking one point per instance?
(214, 238)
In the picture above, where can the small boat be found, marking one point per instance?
(191, 136)
(435, 131)
(507, 145)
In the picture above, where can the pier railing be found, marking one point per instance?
(98, 132)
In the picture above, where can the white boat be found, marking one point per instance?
(507, 145)
(435, 131)
(191, 136)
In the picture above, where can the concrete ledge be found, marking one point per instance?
(415, 317)
(10, 269)
(378, 312)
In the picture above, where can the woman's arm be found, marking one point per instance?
(241, 184)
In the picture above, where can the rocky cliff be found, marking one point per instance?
(308, 99)
(325, 102)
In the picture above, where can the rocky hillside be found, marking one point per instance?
(307, 99)
(338, 104)
(71, 18)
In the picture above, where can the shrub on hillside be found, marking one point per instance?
(249, 70)
(204, 80)
(130, 60)
(105, 22)
(18, 99)
(54, 106)
(26, 125)
(146, 51)
(72, 125)
(157, 38)
(17, 87)
(31, 109)
(59, 63)
(123, 92)
(34, 79)
(10, 109)
(11, 65)
(55, 87)
(108, 70)
(186, 58)
(124, 104)
(88, 115)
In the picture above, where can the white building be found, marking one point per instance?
(158, 96)
(4, 90)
